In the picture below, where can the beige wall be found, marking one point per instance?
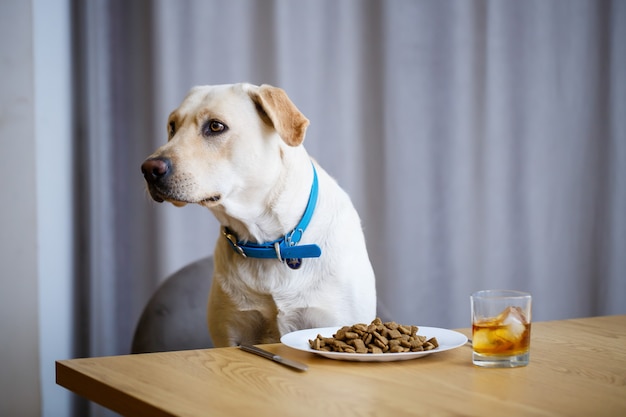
(19, 340)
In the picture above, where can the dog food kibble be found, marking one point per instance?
(377, 337)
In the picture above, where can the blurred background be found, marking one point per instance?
(482, 142)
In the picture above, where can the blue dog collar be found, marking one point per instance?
(285, 249)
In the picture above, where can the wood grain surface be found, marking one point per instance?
(577, 368)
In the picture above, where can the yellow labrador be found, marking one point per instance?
(291, 253)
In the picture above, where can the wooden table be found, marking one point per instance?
(577, 368)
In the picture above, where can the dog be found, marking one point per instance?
(291, 253)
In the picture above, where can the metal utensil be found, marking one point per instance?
(276, 358)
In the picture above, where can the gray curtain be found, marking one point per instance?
(483, 143)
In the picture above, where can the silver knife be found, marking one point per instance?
(276, 358)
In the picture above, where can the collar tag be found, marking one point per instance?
(294, 263)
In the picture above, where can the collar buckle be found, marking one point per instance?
(292, 238)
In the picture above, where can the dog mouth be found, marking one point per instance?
(161, 196)
(212, 200)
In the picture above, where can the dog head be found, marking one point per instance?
(225, 143)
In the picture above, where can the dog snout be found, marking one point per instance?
(156, 169)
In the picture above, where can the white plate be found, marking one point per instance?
(448, 339)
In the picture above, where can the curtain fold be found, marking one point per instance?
(482, 142)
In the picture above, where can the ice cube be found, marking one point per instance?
(515, 322)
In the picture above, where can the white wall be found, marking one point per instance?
(55, 233)
(36, 232)
(19, 338)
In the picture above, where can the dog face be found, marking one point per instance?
(219, 141)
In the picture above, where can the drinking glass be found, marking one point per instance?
(501, 328)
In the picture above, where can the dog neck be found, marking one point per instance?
(266, 215)
(286, 248)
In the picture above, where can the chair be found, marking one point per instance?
(175, 316)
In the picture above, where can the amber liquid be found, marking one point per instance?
(491, 337)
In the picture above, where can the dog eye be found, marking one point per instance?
(213, 127)
(171, 129)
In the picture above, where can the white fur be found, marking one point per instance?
(262, 175)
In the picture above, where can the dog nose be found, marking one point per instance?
(155, 169)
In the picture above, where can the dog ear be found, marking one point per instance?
(278, 110)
